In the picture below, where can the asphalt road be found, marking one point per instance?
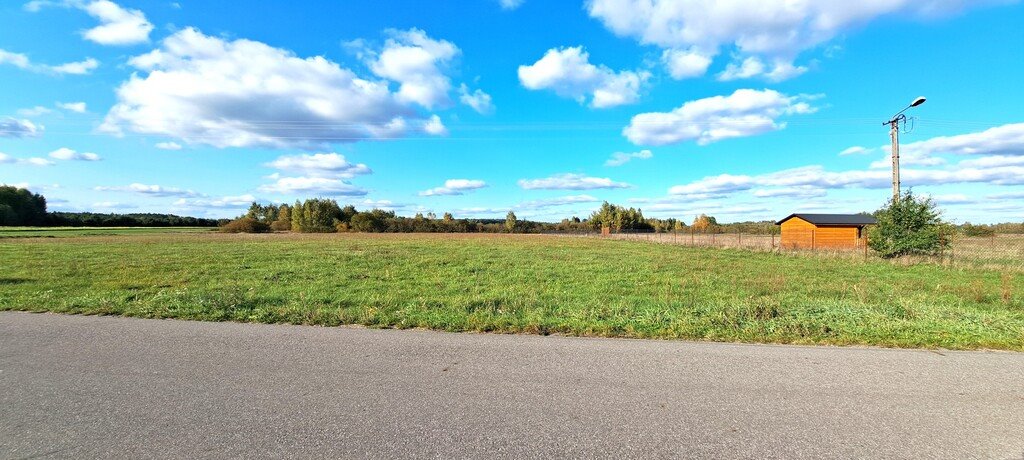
(101, 387)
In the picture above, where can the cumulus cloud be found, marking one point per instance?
(34, 161)
(746, 112)
(118, 25)
(168, 146)
(320, 165)
(558, 201)
(313, 185)
(22, 61)
(12, 127)
(776, 30)
(243, 93)
(321, 173)
(855, 150)
(150, 190)
(418, 63)
(76, 68)
(571, 182)
(34, 111)
(688, 63)
(753, 67)
(455, 187)
(476, 99)
(236, 202)
(809, 179)
(67, 154)
(621, 158)
(77, 107)
(569, 73)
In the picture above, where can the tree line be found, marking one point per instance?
(22, 208)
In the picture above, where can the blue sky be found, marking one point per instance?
(742, 109)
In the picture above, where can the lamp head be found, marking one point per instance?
(918, 101)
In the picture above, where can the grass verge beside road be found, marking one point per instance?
(516, 284)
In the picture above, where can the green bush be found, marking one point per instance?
(245, 225)
(909, 225)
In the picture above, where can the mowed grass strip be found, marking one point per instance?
(517, 284)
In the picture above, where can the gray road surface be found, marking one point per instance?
(101, 387)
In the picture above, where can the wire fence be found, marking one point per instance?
(994, 251)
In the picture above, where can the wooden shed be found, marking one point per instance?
(824, 231)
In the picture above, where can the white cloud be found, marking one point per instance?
(417, 62)
(434, 126)
(22, 61)
(236, 202)
(77, 68)
(67, 154)
(510, 4)
(568, 72)
(11, 127)
(621, 158)
(776, 30)
(810, 178)
(77, 107)
(571, 182)
(34, 111)
(746, 112)
(477, 99)
(331, 165)
(118, 25)
(112, 206)
(687, 63)
(559, 201)
(795, 192)
(455, 187)
(753, 67)
(150, 190)
(313, 185)
(18, 60)
(855, 150)
(34, 161)
(168, 146)
(243, 93)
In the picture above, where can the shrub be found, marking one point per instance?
(245, 225)
(970, 229)
(281, 225)
(908, 225)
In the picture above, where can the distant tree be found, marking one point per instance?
(284, 219)
(704, 223)
(373, 221)
(316, 215)
(448, 217)
(510, 222)
(19, 206)
(908, 225)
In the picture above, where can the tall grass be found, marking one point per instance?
(517, 284)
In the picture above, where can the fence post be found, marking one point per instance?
(812, 239)
(865, 246)
(739, 238)
(691, 235)
(773, 238)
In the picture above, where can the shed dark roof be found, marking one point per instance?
(833, 219)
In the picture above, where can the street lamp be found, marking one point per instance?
(894, 133)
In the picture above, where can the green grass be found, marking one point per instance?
(517, 284)
(65, 232)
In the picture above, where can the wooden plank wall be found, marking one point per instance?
(800, 234)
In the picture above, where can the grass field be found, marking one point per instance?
(66, 232)
(516, 284)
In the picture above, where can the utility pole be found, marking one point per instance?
(894, 134)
